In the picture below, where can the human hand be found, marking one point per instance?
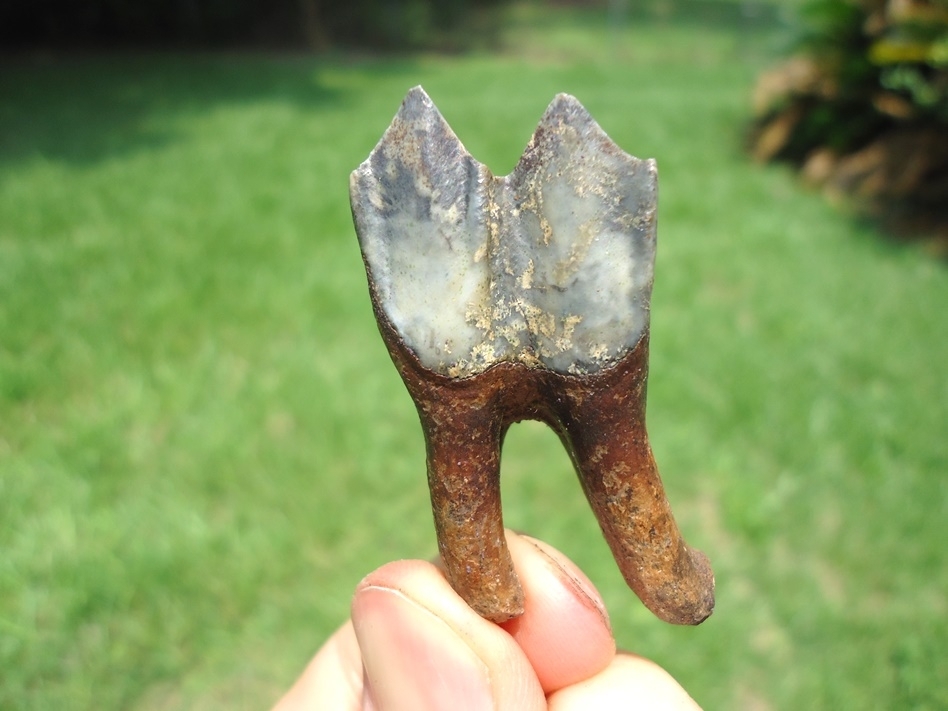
(414, 644)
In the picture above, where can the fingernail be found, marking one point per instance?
(574, 577)
(414, 661)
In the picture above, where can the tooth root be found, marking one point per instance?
(602, 423)
(463, 447)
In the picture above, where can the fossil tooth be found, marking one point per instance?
(524, 297)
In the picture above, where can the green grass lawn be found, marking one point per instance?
(204, 445)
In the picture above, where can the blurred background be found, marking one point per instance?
(204, 445)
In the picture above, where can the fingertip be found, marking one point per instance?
(413, 659)
(564, 631)
(628, 676)
(393, 575)
(575, 579)
(424, 648)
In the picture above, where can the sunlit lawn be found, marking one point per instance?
(204, 446)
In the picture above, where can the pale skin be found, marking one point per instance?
(412, 644)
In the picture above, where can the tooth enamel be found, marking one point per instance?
(550, 266)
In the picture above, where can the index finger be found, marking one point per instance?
(564, 630)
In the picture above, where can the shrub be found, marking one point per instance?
(863, 107)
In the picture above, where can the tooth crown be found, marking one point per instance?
(550, 266)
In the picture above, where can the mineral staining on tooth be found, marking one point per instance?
(550, 266)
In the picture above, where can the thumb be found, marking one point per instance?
(332, 680)
(424, 649)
